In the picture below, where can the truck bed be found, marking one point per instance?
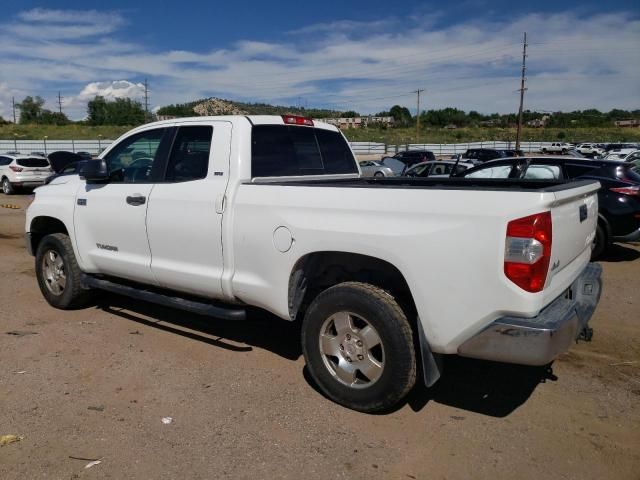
(509, 184)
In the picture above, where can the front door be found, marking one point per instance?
(110, 218)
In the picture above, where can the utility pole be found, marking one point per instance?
(13, 104)
(146, 100)
(418, 113)
(522, 89)
(59, 103)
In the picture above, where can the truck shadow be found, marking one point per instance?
(620, 253)
(488, 388)
(261, 329)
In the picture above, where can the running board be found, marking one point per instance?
(201, 308)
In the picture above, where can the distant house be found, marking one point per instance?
(356, 122)
(538, 122)
(627, 123)
(451, 126)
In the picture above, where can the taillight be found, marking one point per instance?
(297, 120)
(15, 169)
(528, 251)
(633, 191)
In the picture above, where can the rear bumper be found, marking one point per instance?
(538, 340)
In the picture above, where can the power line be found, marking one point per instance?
(418, 113)
(146, 100)
(522, 89)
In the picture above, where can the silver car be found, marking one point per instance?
(438, 168)
(373, 168)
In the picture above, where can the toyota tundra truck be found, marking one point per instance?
(215, 215)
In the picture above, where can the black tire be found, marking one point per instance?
(73, 295)
(382, 312)
(564, 151)
(378, 174)
(544, 150)
(600, 242)
(7, 187)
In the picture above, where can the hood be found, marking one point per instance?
(61, 159)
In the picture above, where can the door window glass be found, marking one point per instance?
(131, 160)
(499, 171)
(189, 159)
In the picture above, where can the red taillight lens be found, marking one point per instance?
(296, 120)
(528, 251)
(633, 191)
(15, 169)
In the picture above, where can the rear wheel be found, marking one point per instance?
(58, 272)
(378, 174)
(7, 188)
(358, 346)
(599, 242)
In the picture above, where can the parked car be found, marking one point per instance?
(557, 147)
(438, 168)
(617, 146)
(38, 154)
(619, 153)
(513, 153)
(401, 161)
(22, 171)
(633, 158)
(481, 155)
(286, 224)
(590, 150)
(85, 155)
(618, 197)
(373, 168)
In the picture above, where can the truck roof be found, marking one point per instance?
(253, 119)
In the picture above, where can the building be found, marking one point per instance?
(627, 123)
(356, 122)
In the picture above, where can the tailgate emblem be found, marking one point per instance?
(583, 213)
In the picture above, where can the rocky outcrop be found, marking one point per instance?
(215, 106)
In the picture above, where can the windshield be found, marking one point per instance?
(33, 162)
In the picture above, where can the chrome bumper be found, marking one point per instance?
(538, 340)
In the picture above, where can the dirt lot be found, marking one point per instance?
(96, 383)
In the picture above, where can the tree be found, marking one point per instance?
(121, 111)
(401, 115)
(350, 114)
(30, 109)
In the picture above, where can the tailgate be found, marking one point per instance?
(574, 215)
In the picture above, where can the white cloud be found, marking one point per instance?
(365, 66)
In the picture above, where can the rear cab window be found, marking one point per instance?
(287, 151)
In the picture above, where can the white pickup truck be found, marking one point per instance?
(216, 214)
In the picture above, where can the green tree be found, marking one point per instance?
(401, 115)
(350, 114)
(30, 109)
(121, 111)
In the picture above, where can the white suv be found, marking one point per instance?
(590, 149)
(22, 171)
(557, 147)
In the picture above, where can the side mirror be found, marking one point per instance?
(94, 171)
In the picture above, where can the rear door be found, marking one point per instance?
(184, 221)
(110, 218)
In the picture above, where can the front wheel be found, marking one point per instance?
(58, 272)
(7, 188)
(359, 348)
(378, 174)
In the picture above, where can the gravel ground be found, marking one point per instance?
(95, 384)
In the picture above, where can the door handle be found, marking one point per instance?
(136, 200)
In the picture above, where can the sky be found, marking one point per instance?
(346, 55)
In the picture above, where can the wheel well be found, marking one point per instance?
(318, 271)
(42, 226)
(605, 226)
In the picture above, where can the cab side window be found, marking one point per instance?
(189, 159)
(132, 159)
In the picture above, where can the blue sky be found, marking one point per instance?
(357, 55)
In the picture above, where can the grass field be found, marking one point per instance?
(391, 136)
